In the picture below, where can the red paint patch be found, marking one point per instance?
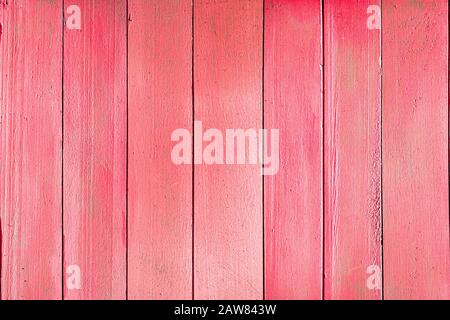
(292, 204)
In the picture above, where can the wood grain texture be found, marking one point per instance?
(30, 149)
(352, 154)
(228, 249)
(95, 139)
(415, 151)
(293, 104)
(87, 179)
(160, 193)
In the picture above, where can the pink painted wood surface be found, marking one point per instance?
(160, 193)
(321, 230)
(415, 150)
(228, 222)
(30, 149)
(95, 139)
(293, 104)
(352, 142)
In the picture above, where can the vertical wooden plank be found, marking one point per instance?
(30, 149)
(415, 150)
(293, 104)
(228, 248)
(160, 193)
(352, 184)
(95, 150)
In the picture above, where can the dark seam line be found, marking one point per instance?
(193, 145)
(322, 31)
(263, 151)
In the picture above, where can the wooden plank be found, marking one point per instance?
(228, 246)
(30, 149)
(415, 150)
(95, 150)
(293, 104)
(352, 161)
(160, 193)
